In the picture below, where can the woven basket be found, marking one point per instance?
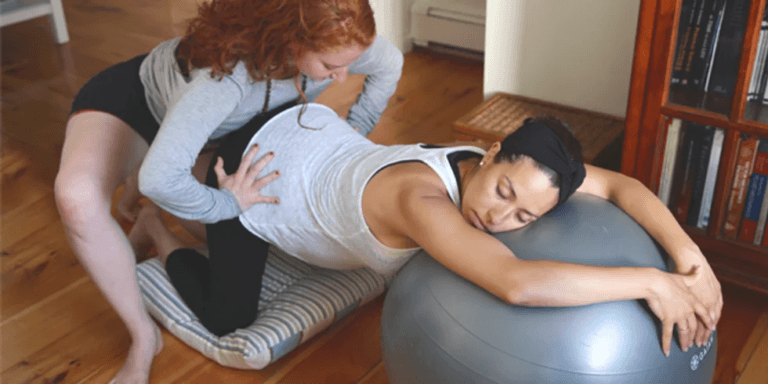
(503, 113)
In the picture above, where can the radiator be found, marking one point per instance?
(449, 23)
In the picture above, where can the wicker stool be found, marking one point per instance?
(600, 134)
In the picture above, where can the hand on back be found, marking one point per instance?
(245, 183)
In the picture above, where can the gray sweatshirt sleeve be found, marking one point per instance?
(382, 63)
(165, 176)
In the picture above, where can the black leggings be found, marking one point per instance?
(223, 289)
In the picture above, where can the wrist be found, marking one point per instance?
(653, 280)
(235, 201)
(687, 257)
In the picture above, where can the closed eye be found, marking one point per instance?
(500, 192)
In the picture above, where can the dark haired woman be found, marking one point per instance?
(238, 59)
(346, 202)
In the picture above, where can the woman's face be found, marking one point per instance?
(333, 64)
(506, 196)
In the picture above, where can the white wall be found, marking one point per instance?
(393, 21)
(572, 52)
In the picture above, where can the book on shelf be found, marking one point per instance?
(684, 34)
(752, 205)
(760, 228)
(764, 241)
(759, 62)
(696, 40)
(747, 149)
(703, 149)
(683, 177)
(671, 146)
(761, 167)
(711, 178)
(755, 194)
(725, 67)
(712, 19)
(763, 77)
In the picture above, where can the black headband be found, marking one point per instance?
(541, 143)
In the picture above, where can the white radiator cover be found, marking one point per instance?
(449, 23)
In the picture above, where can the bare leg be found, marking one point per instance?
(128, 204)
(139, 237)
(150, 230)
(99, 152)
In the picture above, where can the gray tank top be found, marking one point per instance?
(324, 170)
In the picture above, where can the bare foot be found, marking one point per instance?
(139, 361)
(128, 204)
(140, 235)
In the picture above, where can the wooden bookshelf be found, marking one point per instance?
(653, 99)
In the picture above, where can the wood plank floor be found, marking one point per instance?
(56, 327)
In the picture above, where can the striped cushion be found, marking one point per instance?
(298, 300)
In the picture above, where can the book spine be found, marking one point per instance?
(764, 242)
(684, 29)
(752, 218)
(703, 150)
(711, 178)
(684, 176)
(696, 36)
(725, 66)
(706, 51)
(762, 57)
(744, 161)
(765, 91)
(763, 76)
(757, 66)
(668, 166)
(761, 168)
(761, 158)
(714, 46)
(760, 227)
(752, 206)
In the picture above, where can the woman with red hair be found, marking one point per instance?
(238, 59)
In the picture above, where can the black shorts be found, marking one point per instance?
(118, 91)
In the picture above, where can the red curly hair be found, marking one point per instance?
(269, 35)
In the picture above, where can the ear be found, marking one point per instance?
(491, 153)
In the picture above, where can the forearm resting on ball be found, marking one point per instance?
(556, 284)
(643, 206)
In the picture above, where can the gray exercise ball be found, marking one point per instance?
(439, 328)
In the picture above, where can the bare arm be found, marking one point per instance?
(434, 223)
(643, 206)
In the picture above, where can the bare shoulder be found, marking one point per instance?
(427, 208)
(402, 200)
(601, 182)
(409, 179)
(417, 194)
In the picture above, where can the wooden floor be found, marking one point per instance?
(55, 325)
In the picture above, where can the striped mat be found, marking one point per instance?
(298, 301)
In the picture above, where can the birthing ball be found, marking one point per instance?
(439, 328)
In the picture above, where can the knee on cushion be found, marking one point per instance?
(190, 274)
